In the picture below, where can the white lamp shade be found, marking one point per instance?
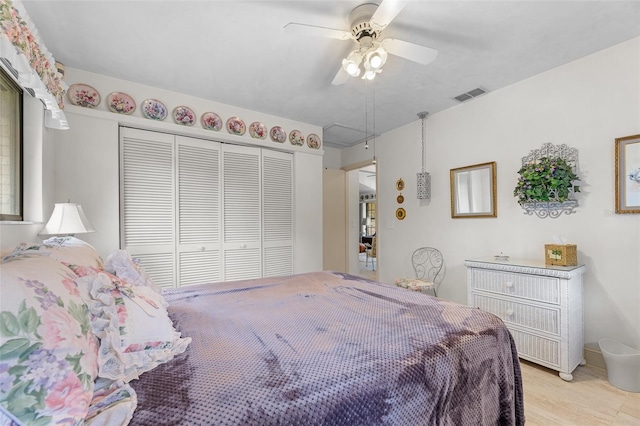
(67, 219)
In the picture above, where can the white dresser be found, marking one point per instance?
(541, 305)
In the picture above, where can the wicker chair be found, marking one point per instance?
(429, 268)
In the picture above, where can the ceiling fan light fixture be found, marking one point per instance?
(351, 68)
(351, 64)
(370, 74)
(376, 58)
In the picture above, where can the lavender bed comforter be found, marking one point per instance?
(331, 349)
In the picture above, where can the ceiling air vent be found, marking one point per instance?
(470, 94)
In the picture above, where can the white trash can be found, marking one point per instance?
(623, 364)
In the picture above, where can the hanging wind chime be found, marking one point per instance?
(424, 179)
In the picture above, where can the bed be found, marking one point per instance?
(311, 349)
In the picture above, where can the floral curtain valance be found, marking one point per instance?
(21, 46)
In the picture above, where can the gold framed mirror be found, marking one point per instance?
(473, 191)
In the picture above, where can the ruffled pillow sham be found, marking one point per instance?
(49, 360)
(123, 266)
(113, 403)
(68, 250)
(132, 323)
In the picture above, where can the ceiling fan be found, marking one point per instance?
(367, 22)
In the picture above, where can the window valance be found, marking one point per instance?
(24, 55)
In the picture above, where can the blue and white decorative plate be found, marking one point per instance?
(154, 109)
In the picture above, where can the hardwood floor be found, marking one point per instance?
(589, 399)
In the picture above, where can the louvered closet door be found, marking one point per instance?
(198, 208)
(277, 216)
(241, 212)
(147, 201)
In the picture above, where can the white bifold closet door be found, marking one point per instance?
(258, 212)
(197, 211)
(242, 212)
(147, 201)
(198, 221)
(277, 213)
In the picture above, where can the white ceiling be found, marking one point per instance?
(236, 52)
(367, 179)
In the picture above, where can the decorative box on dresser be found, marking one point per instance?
(541, 305)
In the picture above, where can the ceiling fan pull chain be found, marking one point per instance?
(366, 116)
(373, 84)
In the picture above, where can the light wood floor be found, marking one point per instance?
(366, 268)
(589, 399)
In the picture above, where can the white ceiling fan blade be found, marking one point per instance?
(385, 13)
(341, 77)
(316, 31)
(413, 52)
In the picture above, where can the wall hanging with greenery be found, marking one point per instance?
(548, 181)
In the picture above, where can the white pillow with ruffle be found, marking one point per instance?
(132, 323)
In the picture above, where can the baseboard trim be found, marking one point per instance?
(594, 357)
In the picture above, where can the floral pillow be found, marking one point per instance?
(123, 266)
(68, 250)
(48, 354)
(135, 331)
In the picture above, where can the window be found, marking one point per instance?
(10, 148)
(367, 219)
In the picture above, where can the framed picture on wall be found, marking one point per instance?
(628, 174)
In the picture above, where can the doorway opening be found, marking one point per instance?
(367, 228)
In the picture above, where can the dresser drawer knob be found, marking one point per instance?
(509, 312)
(509, 284)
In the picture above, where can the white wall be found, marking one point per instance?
(332, 158)
(81, 163)
(353, 221)
(585, 104)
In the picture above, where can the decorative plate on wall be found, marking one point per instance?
(258, 130)
(400, 199)
(211, 121)
(83, 95)
(278, 134)
(399, 184)
(401, 213)
(184, 115)
(296, 138)
(313, 141)
(121, 103)
(154, 109)
(236, 126)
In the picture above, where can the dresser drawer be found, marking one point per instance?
(536, 348)
(532, 287)
(534, 317)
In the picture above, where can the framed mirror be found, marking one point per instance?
(473, 191)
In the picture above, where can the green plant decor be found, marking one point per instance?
(546, 180)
